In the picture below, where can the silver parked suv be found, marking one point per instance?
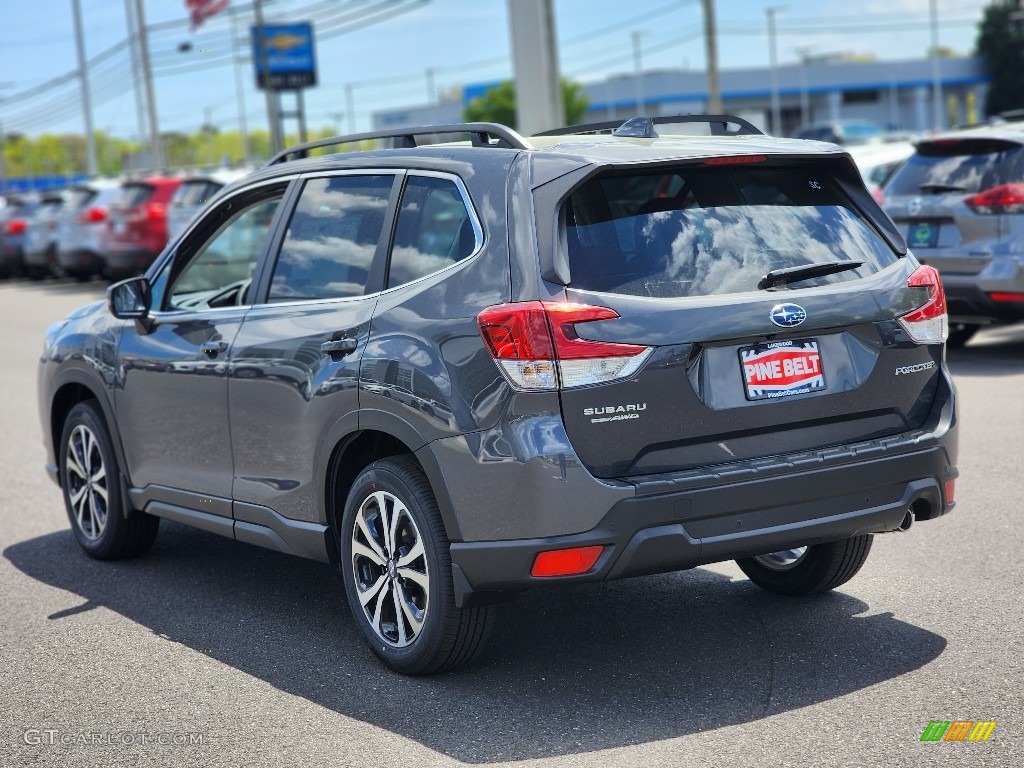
(959, 201)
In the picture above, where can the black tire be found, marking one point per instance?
(960, 334)
(99, 525)
(447, 637)
(821, 568)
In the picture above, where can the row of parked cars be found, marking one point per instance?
(108, 227)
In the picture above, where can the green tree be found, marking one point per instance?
(1001, 43)
(498, 104)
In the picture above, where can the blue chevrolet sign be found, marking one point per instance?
(289, 56)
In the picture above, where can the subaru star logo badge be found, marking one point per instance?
(787, 315)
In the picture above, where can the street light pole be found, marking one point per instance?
(773, 58)
(83, 79)
(638, 69)
(804, 52)
(936, 74)
(147, 81)
(239, 85)
(711, 49)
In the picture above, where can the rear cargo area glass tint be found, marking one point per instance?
(698, 231)
(958, 166)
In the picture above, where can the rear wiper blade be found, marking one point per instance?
(942, 188)
(805, 272)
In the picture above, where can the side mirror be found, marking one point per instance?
(129, 299)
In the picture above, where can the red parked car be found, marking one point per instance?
(136, 229)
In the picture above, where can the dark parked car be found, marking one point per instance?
(12, 259)
(79, 241)
(465, 370)
(136, 228)
(41, 236)
(959, 200)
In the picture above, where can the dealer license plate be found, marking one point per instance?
(781, 369)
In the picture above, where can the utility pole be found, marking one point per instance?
(535, 59)
(804, 52)
(147, 82)
(431, 87)
(83, 79)
(273, 118)
(938, 122)
(236, 57)
(773, 57)
(638, 73)
(133, 37)
(714, 105)
(350, 108)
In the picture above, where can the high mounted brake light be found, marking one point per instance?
(735, 160)
(928, 323)
(536, 345)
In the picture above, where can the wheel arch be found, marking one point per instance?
(376, 438)
(70, 389)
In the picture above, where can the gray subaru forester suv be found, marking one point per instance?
(959, 201)
(467, 369)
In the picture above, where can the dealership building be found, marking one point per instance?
(897, 95)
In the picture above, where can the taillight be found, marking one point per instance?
(1011, 298)
(879, 195)
(15, 227)
(155, 211)
(1008, 198)
(93, 215)
(566, 562)
(927, 324)
(536, 345)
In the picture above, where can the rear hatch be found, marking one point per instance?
(129, 213)
(188, 200)
(669, 260)
(953, 198)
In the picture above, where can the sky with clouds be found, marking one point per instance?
(402, 51)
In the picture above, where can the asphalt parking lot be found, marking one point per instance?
(237, 656)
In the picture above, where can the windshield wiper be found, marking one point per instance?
(805, 272)
(942, 188)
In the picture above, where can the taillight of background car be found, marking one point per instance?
(92, 215)
(15, 226)
(1006, 198)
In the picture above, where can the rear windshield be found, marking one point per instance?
(962, 166)
(700, 231)
(194, 193)
(79, 197)
(132, 195)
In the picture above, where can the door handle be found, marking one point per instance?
(213, 348)
(338, 348)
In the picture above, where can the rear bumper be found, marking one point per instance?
(80, 260)
(970, 304)
(658, 532)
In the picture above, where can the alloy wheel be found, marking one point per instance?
(389, 563)
(783, 560)
(87, 482)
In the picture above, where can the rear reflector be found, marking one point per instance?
(1010, 297)
(950, 488)
(928, 323)
(1007, 198)
(536, 345)
(566, 562)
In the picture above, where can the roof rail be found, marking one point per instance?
(405, 138)
(718, 123)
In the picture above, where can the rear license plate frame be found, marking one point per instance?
(772, 354)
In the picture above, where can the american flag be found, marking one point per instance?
(200, 10)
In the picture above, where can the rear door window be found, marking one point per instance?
(959, 166)
(332, 238)
(700, 231)
(434, 229)
(79, 197)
